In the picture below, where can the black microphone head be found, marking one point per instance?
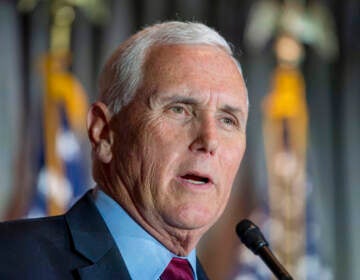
(251, 235)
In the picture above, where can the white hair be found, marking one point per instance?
(123, 72)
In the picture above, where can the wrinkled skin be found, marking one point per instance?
(170, 157)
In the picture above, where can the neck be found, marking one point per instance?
(177, 240)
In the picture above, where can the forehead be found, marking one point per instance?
(193, 69)
(175, 60)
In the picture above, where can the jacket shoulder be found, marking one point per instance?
(27, 229)
(32, 247)
(40, 248)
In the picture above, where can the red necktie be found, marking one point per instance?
(177, 269)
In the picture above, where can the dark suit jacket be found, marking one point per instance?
(76, 245)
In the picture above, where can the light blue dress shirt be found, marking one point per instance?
(144, 256)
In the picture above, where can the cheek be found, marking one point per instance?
(160, 151)
(231, 159)
(166, 141)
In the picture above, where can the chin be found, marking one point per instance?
(191, 219)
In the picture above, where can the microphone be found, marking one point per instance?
(252, 237)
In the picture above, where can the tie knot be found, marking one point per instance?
(177, 269)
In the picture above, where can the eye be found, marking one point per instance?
(228, 121)
(177, 109)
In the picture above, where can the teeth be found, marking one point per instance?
(195, 182)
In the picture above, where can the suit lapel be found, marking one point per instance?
(93, 241)
(109, 266)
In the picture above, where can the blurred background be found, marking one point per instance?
(300, 176)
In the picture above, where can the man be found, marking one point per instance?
(167, 136)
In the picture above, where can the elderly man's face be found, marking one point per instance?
(179, 143)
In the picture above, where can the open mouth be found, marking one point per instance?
(195, 179)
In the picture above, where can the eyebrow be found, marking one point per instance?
(234, 110)
(180, 99)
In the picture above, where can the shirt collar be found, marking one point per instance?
(137, 247)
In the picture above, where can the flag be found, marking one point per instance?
(62, 160)
(287, 215)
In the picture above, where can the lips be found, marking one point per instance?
(196, 178)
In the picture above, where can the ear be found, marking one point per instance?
(99, 132)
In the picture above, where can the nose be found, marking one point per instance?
(206, 137)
